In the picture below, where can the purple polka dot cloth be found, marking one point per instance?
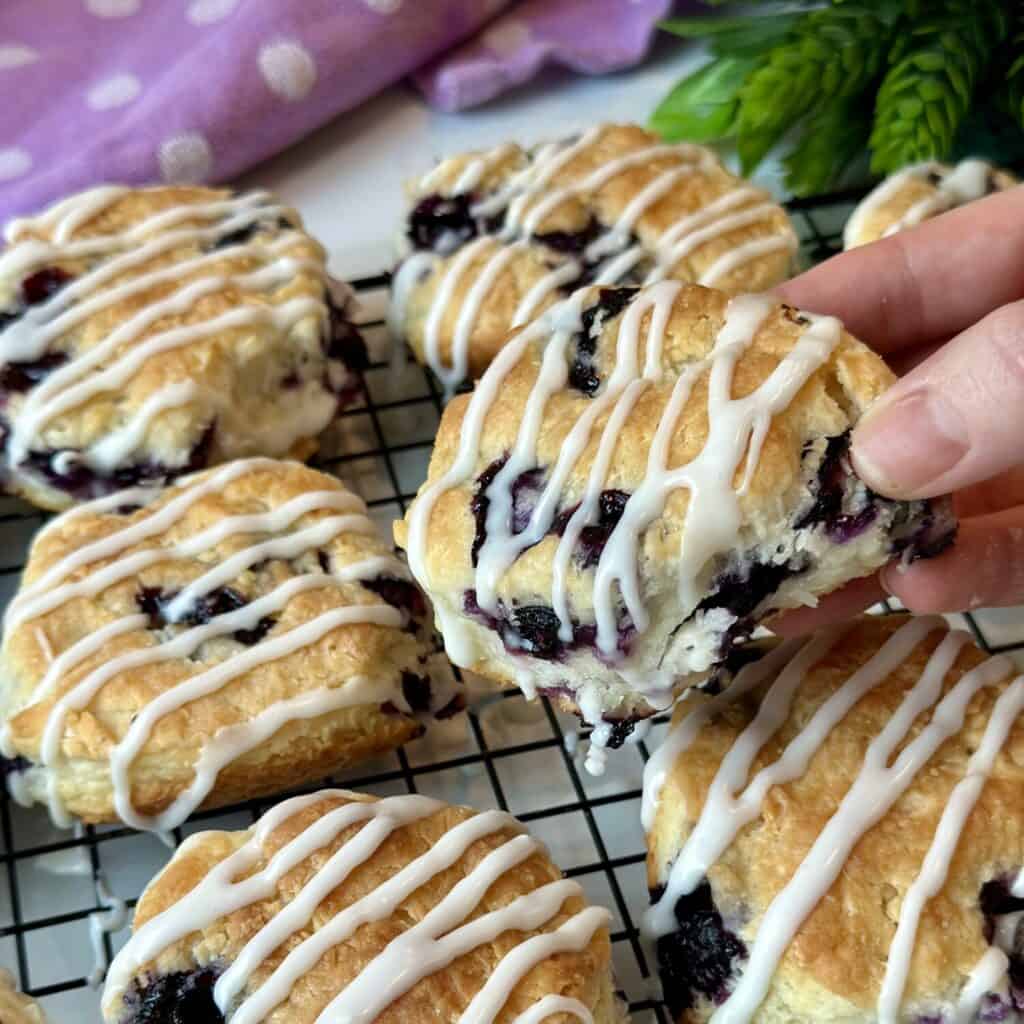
(200, 90)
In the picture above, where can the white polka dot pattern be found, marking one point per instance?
(112, 8)
(288, 69)
(115, 91)
(206, 12)
(14, 55)
(14, 162)
(185, 159)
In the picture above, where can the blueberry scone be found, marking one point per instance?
(242, 631)
(925, 190)
(16, 1008)
(838, 835)
(494, 238)
(146, 333)
(343, 907)
(638, 480)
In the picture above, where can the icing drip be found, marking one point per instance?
(443, 935)
(967, 181)
(890, 765)
(102, 923)
(109, 364)
(527, 201)
(231, 742)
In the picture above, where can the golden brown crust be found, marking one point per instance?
(577, 214)
(907, 197)
(442, 996)
(16, 1008)
(259, 381)
(299, 750)
(833, 969)
(828, 404)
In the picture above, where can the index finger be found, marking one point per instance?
(923, 285)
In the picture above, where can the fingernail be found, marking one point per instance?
(902, 446)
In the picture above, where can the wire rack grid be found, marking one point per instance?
(505, 753)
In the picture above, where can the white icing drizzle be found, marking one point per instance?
(987, 974)
(572, 937)
(230, 743)
(484, 395)
(737, 428)
(267, 522)
(110, 364)
(552, 1004)
(873, 793)
(935, 868)
(713, 518)
(218, 894)
(415, 267)
(964, 183)
(101, 923)
(727, 810)
(113, 449)
(530, 302)
(426, 947)
(66, 215)
(472, 173)
(44, 643)
(528, 201)
(889, 768)
(233, 741)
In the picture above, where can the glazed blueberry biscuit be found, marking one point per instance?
(494, 238)
(916, 193)
(238, 633)
(343, 907)
(838, 835)
(16, 1008)
(146, 333)
(640, 479)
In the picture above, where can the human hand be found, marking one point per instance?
(944, 304)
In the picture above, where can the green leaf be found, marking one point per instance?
(831, 140)
(702, 107)
(741, 36)
(710, 25)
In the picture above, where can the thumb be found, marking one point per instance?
(954, 420)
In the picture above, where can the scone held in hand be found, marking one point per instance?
(641, 478)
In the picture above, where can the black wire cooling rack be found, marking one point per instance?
(505, 753)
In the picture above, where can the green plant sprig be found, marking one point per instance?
(900, 78)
